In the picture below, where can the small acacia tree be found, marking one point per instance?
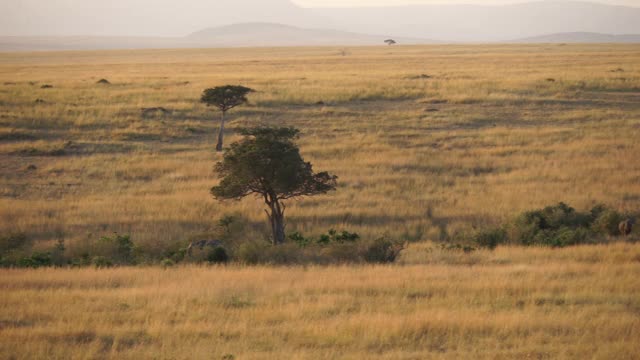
(225, 98)
(267, 163)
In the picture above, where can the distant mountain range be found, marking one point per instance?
(237, 35)
(481, 23)
(264, 35)
(240, 23)
(581, 37)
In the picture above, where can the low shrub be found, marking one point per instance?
(557, 226)
(119, 249)
(382, 251)
(606, 222)
(343, 237)
(217, 255)
(101, 262)
(299, 239)
(16, 251)
(331, 248)
(167, 263)
(175, 252)
(456, 247)
(83, 260)
(58, 257)
(490, 238)
(332, 236)
(36, 260)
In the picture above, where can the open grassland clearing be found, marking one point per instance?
(511, 303)
(426, 140)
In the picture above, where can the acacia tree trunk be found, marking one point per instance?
(276, 219)
(221, 133)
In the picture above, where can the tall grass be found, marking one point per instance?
(486, 136)
(573, 303)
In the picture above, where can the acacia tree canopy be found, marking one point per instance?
(267, 163)
(226, 97)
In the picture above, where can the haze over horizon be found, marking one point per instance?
(385, 3)
(460, 20)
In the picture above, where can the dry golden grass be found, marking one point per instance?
(503, 139)
(513, 303)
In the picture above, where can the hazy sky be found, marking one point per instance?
(345, 3)
(178, 18)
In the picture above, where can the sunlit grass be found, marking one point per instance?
(512, 303)
(421, 137)
(487, 132)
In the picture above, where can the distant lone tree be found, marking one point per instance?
(225, 98)
(390, 42)
(267, 163)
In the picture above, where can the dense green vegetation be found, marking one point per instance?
(557, 226)
(553, 226)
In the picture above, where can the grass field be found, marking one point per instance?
(514, 303)
(503, 139)
(426, 141)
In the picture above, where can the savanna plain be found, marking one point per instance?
(428, 142)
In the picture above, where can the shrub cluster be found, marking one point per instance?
(557, 226)
(17, 251)
(332, 236)
(332, 247)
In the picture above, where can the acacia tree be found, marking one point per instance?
(225, 98)
(267, 163)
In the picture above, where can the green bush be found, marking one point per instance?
(563, 215)
(119, 249)
(83, 260)
(299, 239)
(568, 237)
(606, 222)
(382, 251)
(561, 225)
(167, 263)
(101, 262)
(16, 250)
(36, 260)
(332, 236)
(174, 252)
(57, 254)
(457, 247)
(490, 238)
(562, 237)
(217, 255)
(344, 236)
